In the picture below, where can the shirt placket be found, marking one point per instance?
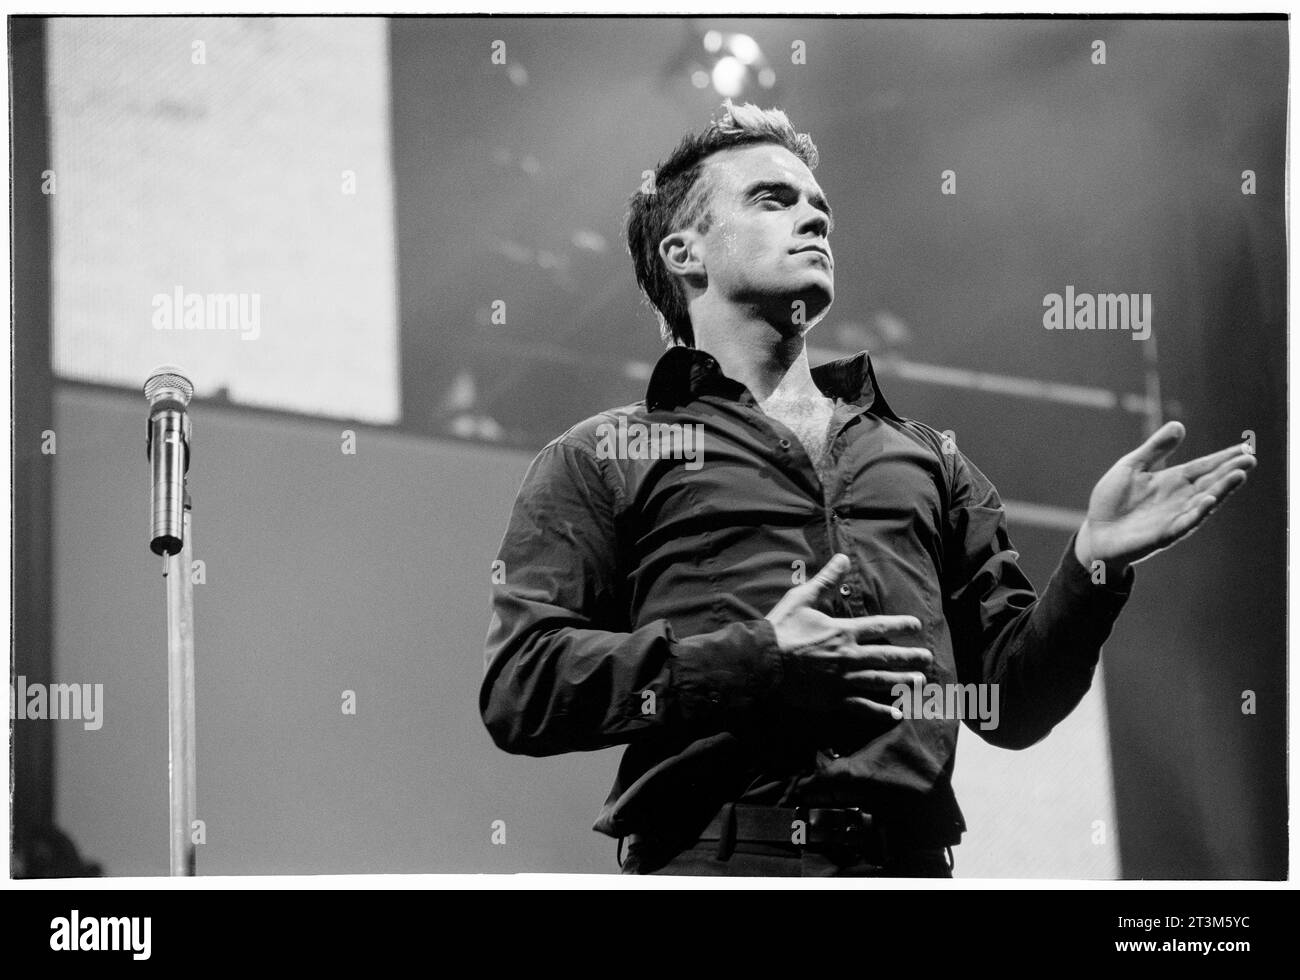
(836, 500)
(849, 596)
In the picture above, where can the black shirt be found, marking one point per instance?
(630, 601)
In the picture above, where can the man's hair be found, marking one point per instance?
(677, 198)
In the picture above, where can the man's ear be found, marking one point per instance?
(683, 255)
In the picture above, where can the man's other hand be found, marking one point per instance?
(837, 663)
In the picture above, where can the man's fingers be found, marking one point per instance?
(1161, 443)
(891, 657)
(1187, 521)
(830, 574)
(882, 681)
(1225, 485)
(881, 627)
(886, 712)
(1240, 463)
(1204, 504)
(1197, 468)
(808, 593)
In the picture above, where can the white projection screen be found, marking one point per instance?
(223, 201)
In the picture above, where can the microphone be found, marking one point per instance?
(167, 447)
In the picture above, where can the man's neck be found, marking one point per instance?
(751, 351)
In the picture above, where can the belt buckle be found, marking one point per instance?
(848, 830)
(843, 823)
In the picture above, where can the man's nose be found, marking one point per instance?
(812, 221)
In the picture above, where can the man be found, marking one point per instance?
(654, 592)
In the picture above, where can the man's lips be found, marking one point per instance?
(815, 248)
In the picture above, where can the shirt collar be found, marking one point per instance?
(683, 373)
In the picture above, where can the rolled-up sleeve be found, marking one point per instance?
(563, 670)
(1042, 652)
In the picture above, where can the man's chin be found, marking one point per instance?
(793, 313)
(809, 307)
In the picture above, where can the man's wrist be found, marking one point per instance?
(1084, 554)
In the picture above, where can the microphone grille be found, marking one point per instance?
(169, 378)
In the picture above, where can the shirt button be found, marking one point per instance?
(784, 443)
(845, 590)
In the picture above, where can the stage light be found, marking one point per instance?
(731, 65)
(729, 77)
(745, 48)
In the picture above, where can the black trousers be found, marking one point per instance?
(788, 861)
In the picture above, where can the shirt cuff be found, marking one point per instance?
(1089, 607)
(724, 679)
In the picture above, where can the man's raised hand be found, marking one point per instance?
(1137, 509)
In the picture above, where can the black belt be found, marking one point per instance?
(848, 830)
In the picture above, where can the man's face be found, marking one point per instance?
(767, 244)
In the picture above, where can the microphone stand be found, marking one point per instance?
(181, 773)
(168, 446)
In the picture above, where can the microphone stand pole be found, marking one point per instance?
(181, 777)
